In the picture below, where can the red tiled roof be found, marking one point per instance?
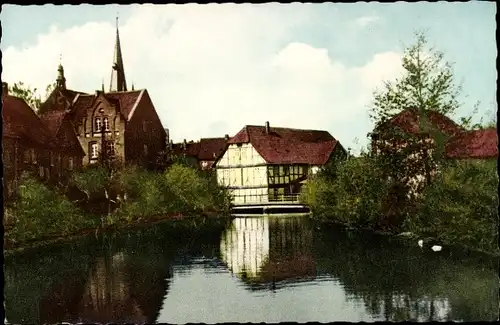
(20, 121)
(477, 144)
(210, 146)
(408, 121)
(53, 121)
(125, 100)
(288, 146)
(68, 94)
(79, 108)
(192, 149)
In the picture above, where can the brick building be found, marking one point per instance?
(121, 122)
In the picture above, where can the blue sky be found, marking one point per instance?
(212, 69)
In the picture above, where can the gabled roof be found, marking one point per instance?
(288, 146)
(477, 144)
(20, 121)
(126, 101)
(53, 122)
(211, 148)
(67, 94)
(408, 120)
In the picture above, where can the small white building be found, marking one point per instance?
(263, 164)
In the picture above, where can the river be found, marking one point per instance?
(264, 269)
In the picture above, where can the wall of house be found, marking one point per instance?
(88, 134)
(145, 137)
(244, 172)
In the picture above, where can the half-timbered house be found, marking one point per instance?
(263, 164)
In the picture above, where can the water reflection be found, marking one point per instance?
(286, 270)
(267, 249)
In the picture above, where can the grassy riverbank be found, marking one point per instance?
(102, 198)
(459, 207)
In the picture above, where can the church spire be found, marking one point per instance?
(118, 82)
(61, 80)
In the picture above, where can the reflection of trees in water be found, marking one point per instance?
(116, 278)
(265, 249)
(397, 282)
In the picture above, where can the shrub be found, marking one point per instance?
(461, 206)
(354, 198)
(39, 211)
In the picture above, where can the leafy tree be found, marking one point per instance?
(30, 95)
(427, 85)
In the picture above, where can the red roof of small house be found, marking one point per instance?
(20, 121)
(53, 121)
(408, 121)
(288, 146)
(192, 149)
(211, 148)
(477, 144)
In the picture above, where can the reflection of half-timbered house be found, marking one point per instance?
(263, 250)
(263, 164)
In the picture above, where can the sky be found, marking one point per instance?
(211, 69)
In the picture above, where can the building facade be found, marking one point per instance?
(120, 124)
(263, 164)
(28, 145)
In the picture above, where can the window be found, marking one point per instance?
(40, 171)
(70, 163)
(26, 155)
(110, 148)
(144, 126)
(145, 150)
(94, 150)
(52, 159)
(98, 125)
(105, 123)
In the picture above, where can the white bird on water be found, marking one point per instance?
(435, 248)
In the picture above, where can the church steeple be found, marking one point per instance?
(61, 80)
(118, 82)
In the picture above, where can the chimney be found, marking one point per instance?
(267, 127)
(184, 144)
(171, 144)
(226, 137)
(5, 89)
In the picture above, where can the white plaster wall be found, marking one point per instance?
(241, 171)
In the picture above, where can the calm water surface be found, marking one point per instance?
(265, 269)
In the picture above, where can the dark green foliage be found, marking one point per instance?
(461, 206)
(39, 212)
(354, 198)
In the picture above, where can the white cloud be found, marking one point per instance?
(212, 69)
(367, 20)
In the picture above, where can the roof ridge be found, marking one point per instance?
(287, 128)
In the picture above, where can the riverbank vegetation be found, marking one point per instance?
(104, 196)
(455, 202)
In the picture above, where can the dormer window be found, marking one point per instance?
(98, 124)
(105, 123)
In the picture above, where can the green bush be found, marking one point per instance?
(461, 206)
(39, 211)
(354, 198)
(179, 189)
